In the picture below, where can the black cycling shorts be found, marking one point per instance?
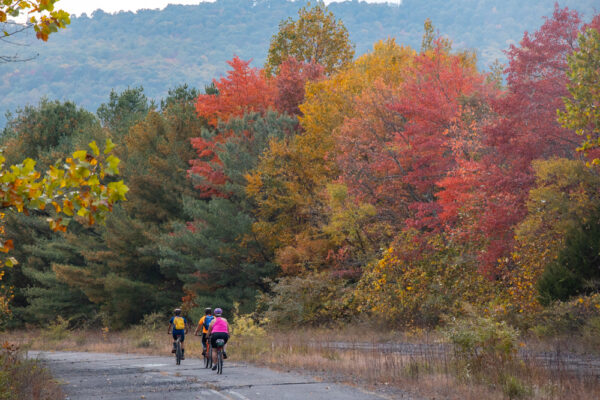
(179, 332)
(218, 335)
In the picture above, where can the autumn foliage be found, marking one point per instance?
(405, 185)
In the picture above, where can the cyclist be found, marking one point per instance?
(180, 328)
(204, 323)
(218, 329)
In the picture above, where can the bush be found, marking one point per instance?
(58, 330)
(481, 340)
(578, 317)
(247, 324)
(307, 299)
(577, 266)
(21, 378)
(153, 321)
(514, 388)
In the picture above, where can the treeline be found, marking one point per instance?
(190, 44)
(403, 185)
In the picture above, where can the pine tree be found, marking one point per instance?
(217, 254)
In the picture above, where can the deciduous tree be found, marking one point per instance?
(315, 37)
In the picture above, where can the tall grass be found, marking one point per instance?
(416, 364)
(22, 378)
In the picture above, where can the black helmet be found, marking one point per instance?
(208, 310)
(177, 311)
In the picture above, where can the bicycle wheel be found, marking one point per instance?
(220, 361)
(178, 353)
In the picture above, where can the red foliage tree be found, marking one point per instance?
(244, 90)
(399, 145)
(484, 199)
(290, 83)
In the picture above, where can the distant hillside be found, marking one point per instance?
(190, 44)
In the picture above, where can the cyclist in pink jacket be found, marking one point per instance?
(218, 329)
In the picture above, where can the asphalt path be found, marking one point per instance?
(91, 376)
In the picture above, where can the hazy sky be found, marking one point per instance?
(88, 6)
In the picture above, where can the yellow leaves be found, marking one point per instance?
(7, 246)
(80, 155)
(95, 149)
(109, 146)
(11, 262)
(112, 165)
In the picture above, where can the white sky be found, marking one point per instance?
(88, 6)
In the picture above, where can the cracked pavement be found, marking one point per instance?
(92, 376)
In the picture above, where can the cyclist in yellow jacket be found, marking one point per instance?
(180, 328)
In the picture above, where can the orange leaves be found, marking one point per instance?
(42, 15)
(7, 246)
(244, 89)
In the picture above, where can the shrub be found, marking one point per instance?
(418, 282)
(307, 299)
(514, 388)
(21, 378)
(153, 321)
(573, 318)
(482, 340)
(577, 266)
(58, 330)
(247, 324)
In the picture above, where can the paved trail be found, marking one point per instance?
(92, 376)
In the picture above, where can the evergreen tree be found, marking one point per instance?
(121, 273)
(577, 269)
(217, 256)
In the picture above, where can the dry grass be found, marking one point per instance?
(21, 378)
(415, 364)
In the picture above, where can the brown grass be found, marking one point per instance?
(425, 370)
(21, 378)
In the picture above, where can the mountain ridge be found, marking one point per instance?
(160, 49)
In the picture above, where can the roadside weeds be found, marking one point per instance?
(415, 365)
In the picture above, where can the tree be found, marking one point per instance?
(582, 108)
(488, 192)
(72, 189)
(290, 84)
(124, 110)
(565, 197)
(48, 131)
(216, 254)
(41, 16)
(576, 271)
(290, 184)
(243, 90)
(316, 37)
(120, 272)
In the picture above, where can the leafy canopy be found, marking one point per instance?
(41, 14)
(582, 109)
(316, 37)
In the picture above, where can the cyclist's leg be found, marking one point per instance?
(213, 348)
(203, 343)
(225, 347)
(182, 335)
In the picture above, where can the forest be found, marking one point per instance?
(403, 186)
(162, 49)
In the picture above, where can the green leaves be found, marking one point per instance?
(582, 109)
(42, 15)
(316, 37)
(76, 185)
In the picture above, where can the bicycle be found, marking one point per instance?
(178, 351)
(208, 355)
(220, 344)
